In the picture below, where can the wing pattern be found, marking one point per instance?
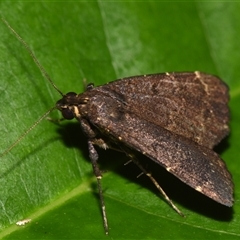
(173, 122)
(193, 105)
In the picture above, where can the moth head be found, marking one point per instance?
(66, 105)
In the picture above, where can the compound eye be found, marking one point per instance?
(67, 114)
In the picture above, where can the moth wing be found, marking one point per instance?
(196, 165)
(193, 105)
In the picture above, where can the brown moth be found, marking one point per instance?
(175, 119)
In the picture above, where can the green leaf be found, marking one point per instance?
(47, 177)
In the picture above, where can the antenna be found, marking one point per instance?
(45, 75)
(27, 131)
(43, 71)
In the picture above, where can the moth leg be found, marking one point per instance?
(156, 184)
(97, 172)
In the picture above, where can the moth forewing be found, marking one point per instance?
(120, 116)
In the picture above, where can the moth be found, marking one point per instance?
(175, 119)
